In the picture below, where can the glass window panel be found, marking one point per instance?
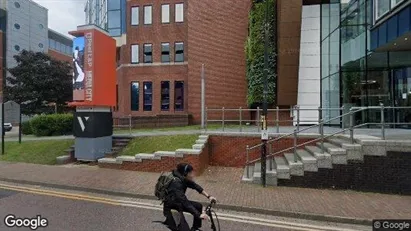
(325, 58)
(135, 15)
(325, 97)
(334, 16)
(148, 96)
(148, 53)
(325, 20)
(353, 47)
(135, 96)
(148, 10)
(381, 7)
(165, 52)
(179, 12)
(134, 53)
(114, 32)
(179, 96)
(395, 2)
(377, 61)
(113, 4)
(179, 52)
(354, 93)
(165, 13)
(334, 94)
(114, 19)
(335, 52)
(165, 95)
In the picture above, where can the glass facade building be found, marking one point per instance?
(366, 58)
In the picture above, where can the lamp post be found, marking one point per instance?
(264, 130)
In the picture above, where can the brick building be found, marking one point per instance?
(161, 49)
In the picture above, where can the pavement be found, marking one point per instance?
(223, 183)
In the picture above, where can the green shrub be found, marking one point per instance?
(26, 128)
(52, 125)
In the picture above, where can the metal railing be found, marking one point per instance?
(352, 126)
(236, 117)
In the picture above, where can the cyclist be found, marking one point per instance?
(177, 200)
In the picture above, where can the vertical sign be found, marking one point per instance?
(89, 70)
(78, 69)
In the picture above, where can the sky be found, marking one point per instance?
(64, 15)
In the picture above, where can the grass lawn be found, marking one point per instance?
(36, 152)
(151, 144)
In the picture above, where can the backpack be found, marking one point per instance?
(161, 189)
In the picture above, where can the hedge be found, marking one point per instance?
(52, 125)
(26, 128)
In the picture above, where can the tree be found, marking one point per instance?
(255, 53)
(38, 81)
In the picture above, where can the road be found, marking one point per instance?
(78, 211)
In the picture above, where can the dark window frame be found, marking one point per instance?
(145, 94)
(169, 53)
(176, 100)
(165, 95)
(144, 52)
(137, 102)
(175, 52)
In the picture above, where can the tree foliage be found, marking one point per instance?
(37, 81)
(255, 53)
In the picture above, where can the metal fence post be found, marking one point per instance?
(278, 119)
(342, 118)
(205, 118)
(295, 146)
(319, 119)
(352, 125)
(322, 135)
(258, 119)
(241, 119)
(129, 123)
(223, 117)
(382, 121)
(247, 165)
(298, 117)
(270, 159)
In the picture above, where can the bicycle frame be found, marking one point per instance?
(209, 213)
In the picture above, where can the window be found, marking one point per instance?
(165, 95)
(17, 26)
(113, 4)
(115, 19)
(148, 53)
(135, 96)
(135, 15)
(134, 54)
(179, 52)
(395, 2)
(381, 8)
(17, 5)
(179, 96)
(148, 96)
(17, 47)
(114, 22)
(41, 45)
(165, 52)
(179, 12)
(148, 15)
(165, 13)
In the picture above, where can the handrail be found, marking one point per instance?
(351, 128)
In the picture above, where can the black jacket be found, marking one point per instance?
(176, 193)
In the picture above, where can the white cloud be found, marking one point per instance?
(64, 15)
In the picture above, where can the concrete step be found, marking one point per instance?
(333, 149)
(198, 146)
(283, 169)
(127, 159)
(165, 154)
(201, 141)
(354, 151)
(324, 159)
(203, 137)
(248, 179)
(146, 156)
(309, 161)
(271, 176)
(296, 167)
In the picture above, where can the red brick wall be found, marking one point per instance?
(217, 31)
(230, 151)
(199, 162)
(59, 56)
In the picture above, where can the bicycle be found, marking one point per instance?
(209, 211)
